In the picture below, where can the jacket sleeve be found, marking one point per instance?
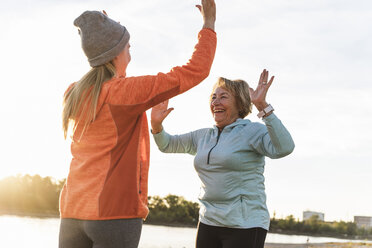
(148, 91)
(185, 143)
(273, 140)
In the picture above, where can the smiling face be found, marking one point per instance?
(223, 107)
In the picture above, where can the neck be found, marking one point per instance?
(120, 69)
(119, 75)
(221, 127)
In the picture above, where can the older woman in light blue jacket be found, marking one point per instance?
(230, 160)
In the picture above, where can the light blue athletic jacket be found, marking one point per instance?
(230, 165)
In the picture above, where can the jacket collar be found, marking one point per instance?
(238, 122)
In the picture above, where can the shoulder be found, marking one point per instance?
(200, 133)
(246, 123)
(252, 127)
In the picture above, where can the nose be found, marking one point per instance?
(215, 102)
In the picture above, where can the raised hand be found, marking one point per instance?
(258, 96)
(208, 11)
(158, 114)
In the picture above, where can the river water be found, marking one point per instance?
(20, 232)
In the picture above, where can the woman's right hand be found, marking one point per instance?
(158, 114)
(258, 96)
(208, 10)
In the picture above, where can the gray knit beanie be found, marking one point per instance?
(102, 38)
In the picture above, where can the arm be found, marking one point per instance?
(175, 143)
(169, 143)
(148, 91)
(273, 141)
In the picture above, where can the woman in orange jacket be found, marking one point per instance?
(104, 200)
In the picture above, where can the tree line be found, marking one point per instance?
(39, 196)
(172, 210)
(33, 195)
(314, 226)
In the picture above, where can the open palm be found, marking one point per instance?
(258, 96)
(158, 114)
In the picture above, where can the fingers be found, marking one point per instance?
(266, 76)
(258, 96)
(208, 10)
(168, 112)
(261, 77)
(162, 108)
(270, 82)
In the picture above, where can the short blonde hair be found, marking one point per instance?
(240, 90)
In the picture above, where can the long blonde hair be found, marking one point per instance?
(80, 101)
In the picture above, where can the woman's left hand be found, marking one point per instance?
(158, 114)
(258, 96)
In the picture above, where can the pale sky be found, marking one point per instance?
(319, 51)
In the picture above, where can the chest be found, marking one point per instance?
(227, 151)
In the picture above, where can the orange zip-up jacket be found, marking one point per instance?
(109, 170)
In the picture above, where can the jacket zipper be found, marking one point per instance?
(209, 153)
(140, 178)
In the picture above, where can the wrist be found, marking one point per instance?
(156, 128)
(209, 24)
(261, 106)
(266, 111)
(269, 113)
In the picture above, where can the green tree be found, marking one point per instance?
(172, 210)
(30, 194)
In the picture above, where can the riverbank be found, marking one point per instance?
(180, 225)
(321, 245)
(30, 214)
(43, 233)
(345, 237)
(341, 237)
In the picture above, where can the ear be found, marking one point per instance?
(115, 60)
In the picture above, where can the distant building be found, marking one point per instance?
(308, 214)
(363, 221)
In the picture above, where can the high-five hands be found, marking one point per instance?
(158, 114)
(208, 11)
(258, 96)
